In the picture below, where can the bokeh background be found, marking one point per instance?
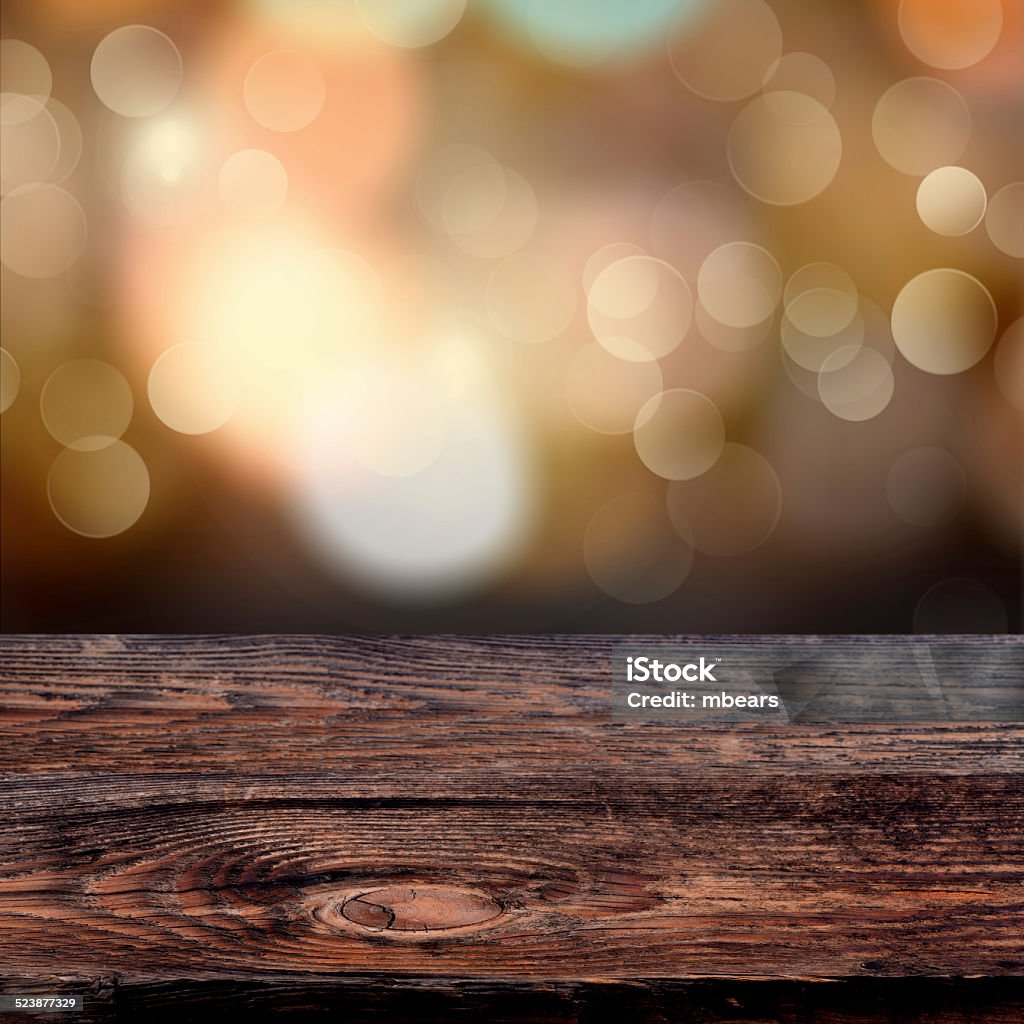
(427, 315)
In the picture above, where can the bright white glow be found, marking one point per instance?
(433, 535)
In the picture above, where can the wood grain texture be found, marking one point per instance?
(453, 828)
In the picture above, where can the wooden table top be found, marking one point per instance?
(453, 828)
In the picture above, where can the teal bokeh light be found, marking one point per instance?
(583, 32)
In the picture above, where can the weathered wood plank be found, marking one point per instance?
(414, 827)
(295, 704)
(838, 877)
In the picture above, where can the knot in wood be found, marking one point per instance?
(420, 908)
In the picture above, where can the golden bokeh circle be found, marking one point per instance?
(252, 183)
(784, 148)
(951, 201)
(30, 141)
(42, 230)
(24, 70)
(86, 402)
(740, 284)
(503, 218)
(136, 70)
(411, 23)
(99, 492)
(1004, 220)
(747, 30)
(858, 386)
(639, 308)
(920, 124)
(194, 388)
(944, 321)
(284, 90)
(950, 34)
(821, 299)
(813, 351)
(804, 73)
(679, 434)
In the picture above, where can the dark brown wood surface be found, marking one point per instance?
(454, 828)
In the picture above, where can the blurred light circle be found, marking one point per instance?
(99, 491)
(950, 34)
(475, 198)
(136, 71)
(313, 21)
(632, 552)
(530, 298)
(585, 32)
(695, 218)
(740, 284)
(29, 141)
(605, 393)
(1005, 219)
(920, 124)
(733, 508)
(411, 23)
(272, 296)
(70, 140)
(391, 421)
(605, 257)
(42, 230)
(951, 201)
(821, 299)
(679, 434)
(926, 487)
(944, 321)
(491, 227)
(813, 351)
(439, 171)
(164, 177)
(856, 388)
(23, 69)
(784, 148)
(433, 535)
(86, 403)
(284, 91)
(726, 338)
(1009, 364)
(803, 73)
(639, 308)
(870, 327)
(252, 183)
(960, 605)
(729, 51)
(194, 388)
(10, 380)
(625, 287)
(353, 112)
